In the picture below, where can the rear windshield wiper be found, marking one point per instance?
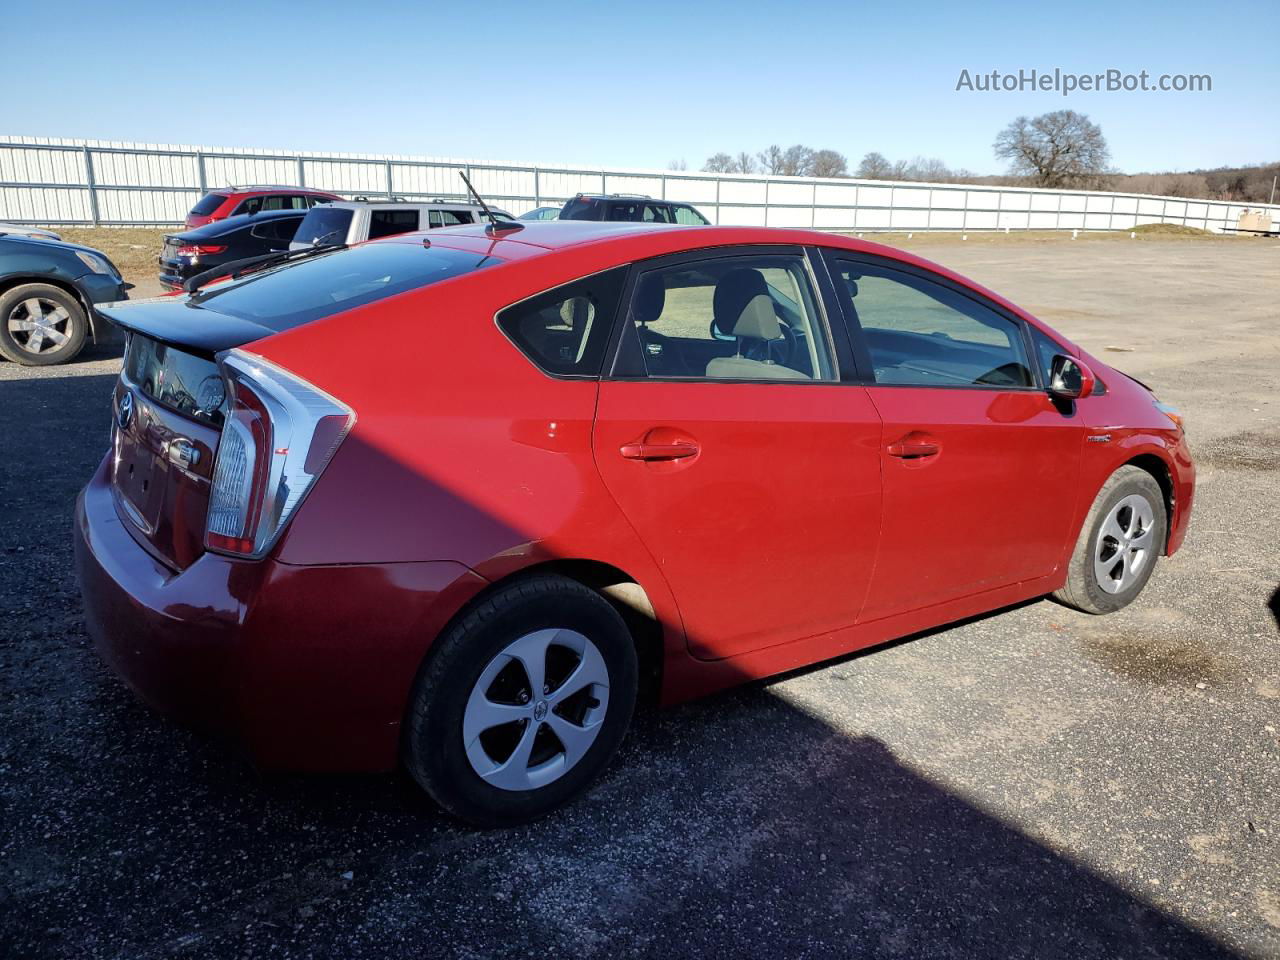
(238, 268)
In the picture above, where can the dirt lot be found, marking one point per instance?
(1037, 783)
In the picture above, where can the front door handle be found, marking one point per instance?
(658, 451)
(914, 446)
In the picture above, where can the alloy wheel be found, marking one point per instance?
(536, 709)
(39, 325)
(1124, 544)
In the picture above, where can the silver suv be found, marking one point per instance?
(353, 221)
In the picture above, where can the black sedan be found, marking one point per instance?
(48, 290)
(249, 235)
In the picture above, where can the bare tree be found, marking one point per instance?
(677, 164)
(770, 159)
(744, 163)
(1058, 149)
(874, 167)
(797, 161)
(929, 169)
(829, 163)
(718, 163)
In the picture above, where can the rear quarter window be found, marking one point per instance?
(565, 331)
(208, 204)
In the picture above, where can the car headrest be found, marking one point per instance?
(649, 300)
(758, 320)
(575, 311)
(733, 292)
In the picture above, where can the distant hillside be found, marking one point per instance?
(1251, 184)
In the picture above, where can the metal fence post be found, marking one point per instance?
(302, 173)
(390, 189)
(92, 183)
(200, 174)
(537, 188)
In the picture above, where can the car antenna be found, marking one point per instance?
(495, 225)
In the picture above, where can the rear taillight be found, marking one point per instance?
(194, 250)
(278, 435)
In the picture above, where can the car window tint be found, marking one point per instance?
(657, 213)
(624, 212)
(277, 202)
(387, 223)
(564, 331)
(926, 334)
(689, 216)
(583, 208)
(730, 318)
(454, 217)
(325, 225)
(252, 205)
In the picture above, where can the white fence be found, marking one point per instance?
(56, 181)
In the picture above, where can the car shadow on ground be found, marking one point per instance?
(740, 825)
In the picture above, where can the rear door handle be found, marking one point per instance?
(914, 446)
(658, 451)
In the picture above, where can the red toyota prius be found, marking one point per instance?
(455, 502)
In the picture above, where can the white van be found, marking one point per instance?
(353, 221)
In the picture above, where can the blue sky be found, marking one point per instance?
(635, 83)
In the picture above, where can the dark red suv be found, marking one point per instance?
(455, 500)
(232, 201)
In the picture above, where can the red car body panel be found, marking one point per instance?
(793, 535)
(235, 197)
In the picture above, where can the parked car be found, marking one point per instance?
(223, 241)
(48, 296)
(631, 207)
(541, 213)
(235, 201)
(354, 221)
(24, 230)
(569, 465)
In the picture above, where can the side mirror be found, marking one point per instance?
(1070, 378)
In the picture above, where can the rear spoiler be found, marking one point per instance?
(181, 323)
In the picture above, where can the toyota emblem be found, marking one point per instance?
(125, 413)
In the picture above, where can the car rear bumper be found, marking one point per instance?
(309, 668)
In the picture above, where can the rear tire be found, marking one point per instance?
(483, 740)
(1120, 541)
(41, 325)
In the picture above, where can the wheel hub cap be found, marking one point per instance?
(1124, 544)
(536, 709)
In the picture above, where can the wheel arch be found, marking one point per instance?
(8, 283)
(620, 589)
(1155, 465)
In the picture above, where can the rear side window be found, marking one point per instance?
(294, 294)
(252, 205)
(690, 217)
(583, 208)
(387, 223)
(208, 204)
(922, 333)
(282, 229)
(564, 331)
(657, 213)
(324, 225)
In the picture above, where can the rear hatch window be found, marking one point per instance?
(330, 283)
(207, 204)
(324, 225)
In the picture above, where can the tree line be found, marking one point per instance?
(1059, 150)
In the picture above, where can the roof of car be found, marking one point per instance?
(269, 188)
(241, 220)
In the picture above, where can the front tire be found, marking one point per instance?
(522, 702)
(41, 325)
(1119, 543)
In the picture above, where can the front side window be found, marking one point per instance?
(564, 331)
(387, 223)
(730, 318)
(689, 216)
(922, 333)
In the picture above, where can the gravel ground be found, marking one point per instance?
(1036, 783)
